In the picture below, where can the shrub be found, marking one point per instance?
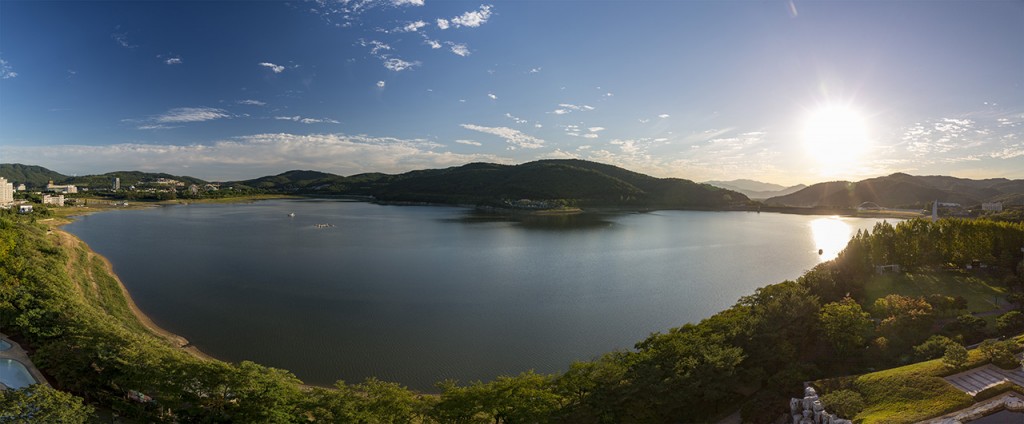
(844, 403)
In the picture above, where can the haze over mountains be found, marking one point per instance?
(755, 189)
(585, 183)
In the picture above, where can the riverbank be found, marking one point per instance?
(70, 242)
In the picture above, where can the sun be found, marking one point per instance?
(836, 137)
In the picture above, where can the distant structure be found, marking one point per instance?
(809, 410)
(935, 210)
(117, 184)
(21, 187)
(64, 189)
(992, 207)
(57, 200)
(6, 192)
(869, 206)
(25, 209)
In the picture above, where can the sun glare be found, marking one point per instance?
(835, 137)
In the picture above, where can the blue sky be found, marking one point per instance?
(692, 89)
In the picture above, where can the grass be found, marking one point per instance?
(906, 394)
(982, 294)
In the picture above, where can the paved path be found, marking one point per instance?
(977, 379)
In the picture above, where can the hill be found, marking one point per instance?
(580, 182)
(31, 175)
(756, 189)
(901, 190)
(36, 177)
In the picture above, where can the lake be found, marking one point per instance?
(418, 294)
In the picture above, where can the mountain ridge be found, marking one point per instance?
(901, 190)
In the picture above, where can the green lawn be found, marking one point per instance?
(982, 293)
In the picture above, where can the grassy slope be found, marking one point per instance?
(911, 393)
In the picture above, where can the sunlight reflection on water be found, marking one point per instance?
(830, 235)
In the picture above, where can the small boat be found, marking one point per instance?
(292, 215)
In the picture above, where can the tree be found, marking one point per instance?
(39, 403)
(845, 324)
(1010, 323)
(844, 403)
(955, 356)
(970, 326)
(933, 348)
(1000, 353)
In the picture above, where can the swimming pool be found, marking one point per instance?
(4, 345)
(13, 374)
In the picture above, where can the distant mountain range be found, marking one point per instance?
(581, 182)
(905, 191)
(755, 189)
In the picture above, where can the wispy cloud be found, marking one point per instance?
(473, 18)
(535, 70)
(399, 65)
(6, 71)
(443, 23)
(277, 69)
(434, 44)
(251, 102)
(122, 40)
(407, 2)
(514, 138)
(155, 127)
(664, 115)
(381, 84)
(567, 108)
(459, 49)
(173, 61)
(253, 156)
(469, 142)
(411, 26)
(492, 96)
(302, 120)
(516, 119)
(191, 114)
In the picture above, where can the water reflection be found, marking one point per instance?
(541, 222)
(830, 236)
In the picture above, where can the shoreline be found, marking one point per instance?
(67, 240)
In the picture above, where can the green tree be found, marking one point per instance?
(1010, 323)
(845, 324)
(1000, 353)
(955, 356)
(39, 403)
(933, 348)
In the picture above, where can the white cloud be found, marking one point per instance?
(6, 71)
(516, 119)
(154, 127)
(276, 68)
(469, 142)
(434, 44)
(560, 111)
(473, 18)
(595, 129)
(380, 84)
(376, 47)
(492, 96)
(515, 138)
(535, 70)
(566, 108)
(252, 156)
(122, 39)
(442, 23)
(302, 120)
(538, 126)
(590, 135)
(412, 26)
(251, 102)
(663, 116)
(460, 49)
(191, 114)
(558, 154)
(173, 61)
(407, 2)
(399, 65)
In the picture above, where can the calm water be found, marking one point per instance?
(420, 294)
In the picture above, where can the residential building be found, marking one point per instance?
(994, 206)
(57, 200)
(6, 192)
(25, 209)
(21, 187)
(117, 183)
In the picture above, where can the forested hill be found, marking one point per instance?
(905, 191)
(36, 177)
(579, 182)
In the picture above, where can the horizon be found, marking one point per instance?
(786, 92)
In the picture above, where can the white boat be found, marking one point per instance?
(292, 214)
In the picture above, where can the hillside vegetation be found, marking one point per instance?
(904, 191)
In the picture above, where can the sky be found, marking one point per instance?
(778, 91)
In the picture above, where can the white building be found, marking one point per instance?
(25, 209)
(994, 206)
(66, 189)
(21, 187)
(6, 192)
(57, 200)
(117, 183)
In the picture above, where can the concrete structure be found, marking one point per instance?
(65, 189)
(57, 200)
(117, 183)
(993, 207)
(6, 192)
(977, 379)
(21, 187)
